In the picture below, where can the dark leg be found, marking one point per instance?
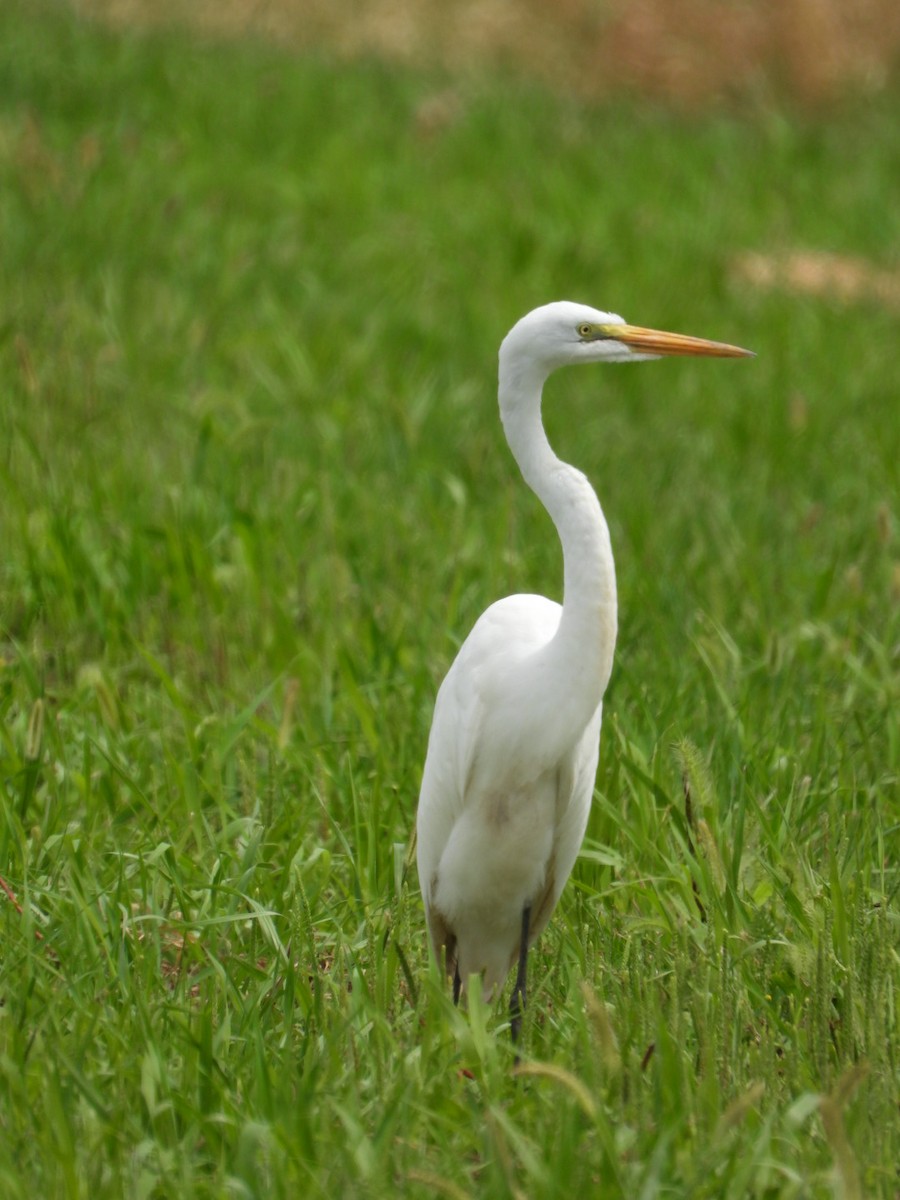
(518, 998)
(457, 983)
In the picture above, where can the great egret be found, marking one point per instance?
(514, 742)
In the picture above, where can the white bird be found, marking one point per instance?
(514, 743)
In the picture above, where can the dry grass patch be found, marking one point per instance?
(842, 277)
(688, 52)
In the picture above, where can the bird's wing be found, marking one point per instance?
(509, 629)
(574, 791)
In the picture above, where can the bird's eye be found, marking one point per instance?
(585, 330)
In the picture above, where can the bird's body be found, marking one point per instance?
(514, 743)
(504, 806)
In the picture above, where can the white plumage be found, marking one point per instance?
(514, 743)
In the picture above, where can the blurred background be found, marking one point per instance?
(688, 52)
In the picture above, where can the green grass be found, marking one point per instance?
(253, 493)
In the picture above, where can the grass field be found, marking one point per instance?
(253, 493)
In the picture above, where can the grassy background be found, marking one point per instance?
(254, 493)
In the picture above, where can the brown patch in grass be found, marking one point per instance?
(689, 52)
(839, 277)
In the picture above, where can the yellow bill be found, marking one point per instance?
(655, 341)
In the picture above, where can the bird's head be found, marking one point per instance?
(557, 334)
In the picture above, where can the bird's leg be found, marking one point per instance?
(457, 983)
(518, 998)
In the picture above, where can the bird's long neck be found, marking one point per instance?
(582, 650)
